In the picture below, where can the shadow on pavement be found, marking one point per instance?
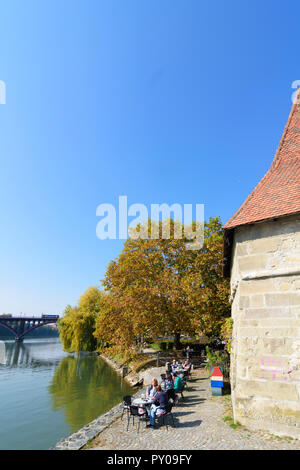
(190, 424)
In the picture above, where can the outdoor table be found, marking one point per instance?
(141, 403)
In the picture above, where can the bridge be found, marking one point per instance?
(20, 326)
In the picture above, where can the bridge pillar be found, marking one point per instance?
(20, 330)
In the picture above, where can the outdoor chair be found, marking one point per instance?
(183, 378)
(186, 376)
(171, 395)
(136, 412)
(163, 417)
(126, 405)
(177, 391)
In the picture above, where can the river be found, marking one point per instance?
(47, 394)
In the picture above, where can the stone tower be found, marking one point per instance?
(262, 258)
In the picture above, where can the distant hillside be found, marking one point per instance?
(47, 331)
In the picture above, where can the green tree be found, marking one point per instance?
(77, 326)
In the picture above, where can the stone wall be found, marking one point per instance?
(265, 294)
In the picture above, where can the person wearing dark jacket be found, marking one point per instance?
(167, 383)
(159, 403)
(168, 386)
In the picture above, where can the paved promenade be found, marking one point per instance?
(198, 425)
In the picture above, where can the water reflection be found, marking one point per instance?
(30, 354)
(46, 394)
(2, 353)
(85, 387)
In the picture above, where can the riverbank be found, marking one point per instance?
(80, 438)
(124, 371)
(201, 421)
(139, 377)
(139, 373)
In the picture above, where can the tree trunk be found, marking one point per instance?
(177, 343)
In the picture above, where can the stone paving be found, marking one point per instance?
(198, 425)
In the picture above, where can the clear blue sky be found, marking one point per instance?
(162, 101)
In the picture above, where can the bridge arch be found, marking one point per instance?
(21, 326)
(8, 328)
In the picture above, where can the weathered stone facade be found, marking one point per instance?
(265, 360)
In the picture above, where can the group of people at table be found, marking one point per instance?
(159, 392)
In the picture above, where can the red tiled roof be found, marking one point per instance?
(278, 193)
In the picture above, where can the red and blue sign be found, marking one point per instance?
(216, 379)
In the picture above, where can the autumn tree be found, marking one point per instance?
(145, 293)
(158, 286)
(207, 292)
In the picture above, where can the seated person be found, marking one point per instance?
(169, 387)
(174, 365)
(187, 365)
(151, 389)
(168, 382)
(158, 407)
(161, 382)
(178, 384)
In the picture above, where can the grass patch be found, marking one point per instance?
(284, 438)
(143, 364)
(155, 346)
(118, 359)
(137, 364)
(235, 425)
(227, 418)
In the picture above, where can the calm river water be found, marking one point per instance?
(46, 394)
